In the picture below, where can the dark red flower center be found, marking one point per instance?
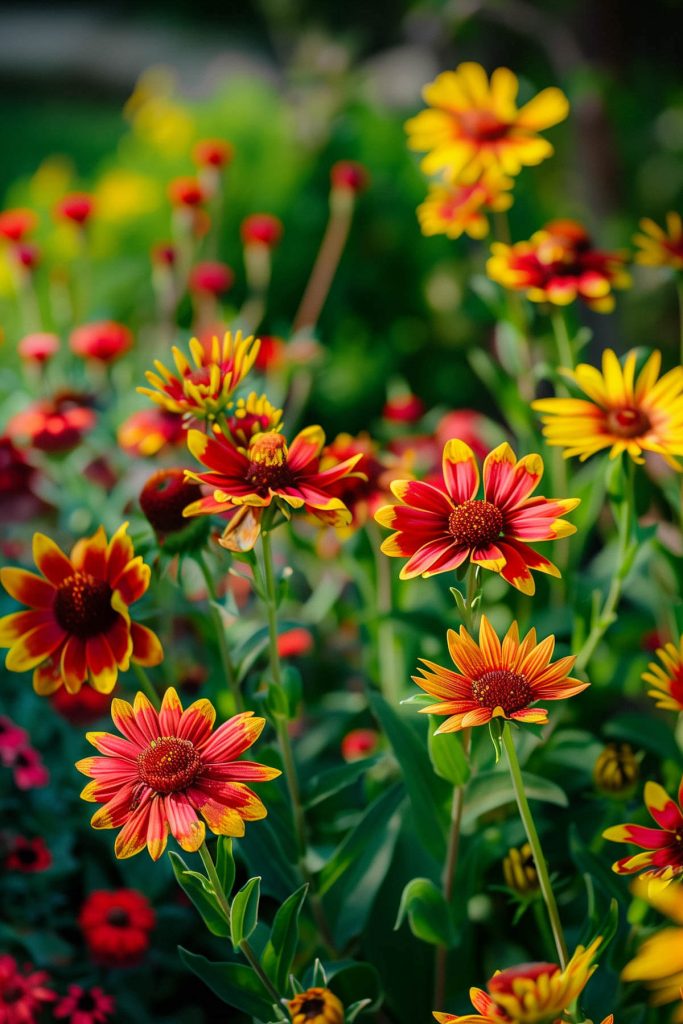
(87, 1003)
(482, 126)
(83, 605)
(312, 1008)
(12, 994)
(501, 688)
(164, 497)
(26, 855)
(476, 523)
(628, 422)
(118, 917)
(169, 764)
(268, 469)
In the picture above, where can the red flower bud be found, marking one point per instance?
(77, 207)
(212, 153)
(261, 229)
(104, 341)
(38, 348)
(350, 175)
(406, 408)
(211, 278)
(14, 224)
(185, 192)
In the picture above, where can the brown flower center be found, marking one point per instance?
(12, 995)
(476, 523)
(628, 422)
(482, 126)
(268, 467)
(501, 688)
(118, 917)
(312, 1008)
(169, 764)
(83, 605)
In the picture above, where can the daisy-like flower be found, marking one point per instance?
(252, 415)
(316, 1006)
(456, 209)
(662, 847)
(438, 528)
(203, 386)
(496, 680)
(23, 993)
(621, 412)
(85, 1006)
(558, 265)
(269, 471)
(666, 679)
(78, 626)
(28, 856)
(661, 247)
(659, 961)
(616, 770)
(519, 871)
(535, 993)
(116, 926)
(474, 123)
(148, 431)
(170, 768)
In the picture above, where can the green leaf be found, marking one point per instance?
(644, 733)
(351, 980)
(236, 984)
(244, 910)
(319, 975)
(333, 780)
(225, 864)
(587, 863)
(265, 850)
(199, 890)
(354, 1009)
(492, 789)
(447, 756)
(428, 913)
(284, 937)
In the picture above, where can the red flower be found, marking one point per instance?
(14, 224)
(295, 642)
(77, 207)
(359, 743)
(470, 426)
(80, 708)
(54, 424)
(404, 408)
(22, 992)
(350, 176)
(164, 254)
(27, 255)
(212, 153)
(271, 354)
(29, 770)
(148, 431)
(117, 926)
(103, 341)
(38, 348)
(663, 851)
(439, 528)
(211, 278)
(186, 192)
(164, 497)
(85, 1006)
(12, 740)
(261, 229)
(28, 856)
(17, 478)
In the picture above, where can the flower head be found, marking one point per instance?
(78, 626)
(453, 210)
(148, 431)
(474, 123)
(662, 846)
(496, 679)
(534, 993)
(621, 412)
(116, 926)
(38, 348)
(661, 247)
(28, 769)
(349, 176)
(558, 265)
(438, 528)
(204, 386)
(212, 153)
(170, 768)
(616, 770)
(666, 679)
(316, 1006)
(54, 424)
(186, 192)
(252, 415)
(23, 993)
(16, 224)
(28, 856)
(261, 229)
(359, 744)
(164, 497)
(103, 341)
(77, 207)
(82, 708)
(659, 960)
(519, 871)
(211, 278)
(85, 1006)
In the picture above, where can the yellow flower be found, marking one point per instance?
(667, 678)
(122, 195)
(453, 209)
(519, 871)
(659, 247)
(474, 124)
(316, 1006)
(620, 412)
(616, 770)
(659, 961)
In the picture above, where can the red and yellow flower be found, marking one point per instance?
(534, 993)
(474, 123)
(621, 412)
(316, 1006)
(203, 387)
(666, 679)
(147, 431)
(55, 424)
(558, 265)
(456, 209)
(659, 960)
(496, 679)
(168, 769)
(438, 528)
(252, 415)
(661, 247)
(662, 847)
(78, 626)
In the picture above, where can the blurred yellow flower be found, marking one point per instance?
(659, 247)
(659, 961)
(51, 181)
(456, 209)
(125, 195)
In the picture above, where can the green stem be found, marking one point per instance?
(563, 341)
(146, 684)
(473, 588)
(390, 669)
(535, 844)
(244, 945)
(679, 293)
(219, 629)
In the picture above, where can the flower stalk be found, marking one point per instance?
(219, 629)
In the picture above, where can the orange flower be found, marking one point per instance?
(663, 854)
(474, 124)
(78, 626)
(456, 209)
(316, 1006)
(659, 247)
(496, 680)
(667, 678)
(170, 768)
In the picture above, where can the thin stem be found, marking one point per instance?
(562, 340)
(219, 629)
(535, 844)
(327, 260)
(146, 684)
(679, 293)
(390, 672)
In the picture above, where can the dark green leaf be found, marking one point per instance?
(279, 953)
(333, 780)
(199, 890)
(643, 732)
(225, 864)
(428, 913)
(244, 911)
(492, 789)
(236, 984)
(447, 756)
(352, 980)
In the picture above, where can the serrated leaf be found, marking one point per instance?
(284, 937)
(234, 983)
(428, 913)
(198, 889)
(244, 911)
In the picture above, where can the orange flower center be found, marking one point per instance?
(83, 605)
(476, 523)
(628, 422)
(169, 764)
(482, 126)
(501, 688)
(268, 467)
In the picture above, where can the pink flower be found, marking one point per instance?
(85, 1006)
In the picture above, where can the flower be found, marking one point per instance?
(85, 1006)
(186, 192)
(663, 854)
(22, 992)
(77, 626)
(616, 770)
(359, 744)
(12, 739)
(80, 708)
(28, 856)
(16, 224)
(211, 278)
(403, 408)
(38, 348)
(17, 480)
(496, 680)
(438, 528)
(316, 1006)
(474, 124)
(268, 471)
(148, 431)
(164, 497)
(250, 416)
(519, 871)
(667, 678)
(452, 210)
(535, 993)
(349, 176)
(294, 643)
(659, 247)
(261, 229)
(659, 960)
(619, 412)
(168, 768)
(212, 153)
(27, 255)
(558, 265)
(103, 341)
(272, 353)
(362, 494)
(28, 768)
(116, 926)
(77, 207)
(470, 426)
(54, 424)
(205, 388)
